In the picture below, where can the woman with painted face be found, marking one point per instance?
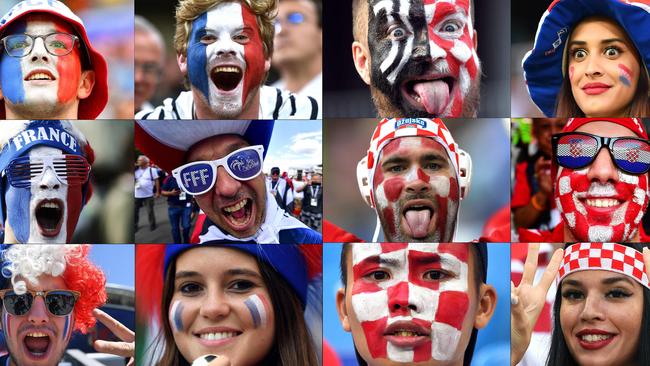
(239, 302)
(590, 59)
(601, 314)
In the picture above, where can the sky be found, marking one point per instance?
(295, 144)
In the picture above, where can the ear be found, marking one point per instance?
(342, 309)
(361, 58)
(86, 84)
(182, 63)
(267, 65)
(475, 39)
(486, 305)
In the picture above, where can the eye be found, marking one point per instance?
(190, 288)
(435, 275)
(241, 285)
(57, 44)
(18, 45)
(618, 294)
(612, 52)
(397, 33)
(395, 169)
(241, 38)
(450, 27)
(572, 295)
(378, 275)
(579, 54)
(208, 39)
(432, 166)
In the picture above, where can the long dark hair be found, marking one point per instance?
(292, 341)
(559, 354)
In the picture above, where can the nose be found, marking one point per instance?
(398, 299)
(603, 169)
(226, 48)
(38, 313)
(593, 67)
(39, 53)
(215, 306)
(226, 185)
(592, 310)
(417, 185)
(49, 180)
(421, 48)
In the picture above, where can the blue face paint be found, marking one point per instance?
(17, 201)
(176, 316)
(197, 56)
(11, 73)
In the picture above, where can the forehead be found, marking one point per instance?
(46, 282)
(412, 146)
(596, 278)
(304, 6)
(215, 147)
(226, 16)
(597, 29)
(40, 23)
(607, 129)
(404, 255)
(44, 151)
(206, 257)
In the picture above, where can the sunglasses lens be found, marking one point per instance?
(197, 178)
(632, 156)
(245, 164)
(576, 151)
(72, 169)
(20, 172)
(18, 304)
(60, 302)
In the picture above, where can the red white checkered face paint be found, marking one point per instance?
(40, 83)
(423, 56)
(411, 300)
(416, 191)
(225, 58)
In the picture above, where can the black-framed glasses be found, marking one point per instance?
(57, 44)
(58, 302)
(576, 150)
(70, 169)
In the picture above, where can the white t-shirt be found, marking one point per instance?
(144, 182)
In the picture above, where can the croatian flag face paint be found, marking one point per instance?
(40, 82)
(48, 211)
(411, 299)
(423, 56)
(225, 58)
(595, 211)
(416, 191)
(259, 309)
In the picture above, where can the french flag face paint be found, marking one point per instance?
(411, 300)
(6, 323)
(176, 316)
(423, 55)
(68, 325)
(416, 191)
(259, 309)
(595, 211)
(225, 58)
(40, 83)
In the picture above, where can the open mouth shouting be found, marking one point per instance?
(431, 93)
(407, 334)
(37, 345)
(49, 216)
(240, 215)
(417, 218)
(226, 77)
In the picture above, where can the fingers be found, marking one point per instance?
(551, 269)
(121, 331)
(530, 267)
(646, 259)
(122, 349)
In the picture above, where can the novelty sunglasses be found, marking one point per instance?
(24, 171)
(199, 177)
(58, 302)
(575, 150)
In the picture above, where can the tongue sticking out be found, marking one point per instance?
(418, 222)
(434, 95)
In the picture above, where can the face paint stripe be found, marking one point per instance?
(253, 53)
(69, 70)
(67, 327)
(176, 316)
(258, 310)
(11, 72)
(625, 75)
(197, 57)
(6, 320)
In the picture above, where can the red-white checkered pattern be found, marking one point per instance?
(604, 256)
(633, 124)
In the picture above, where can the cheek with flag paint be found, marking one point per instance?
(414, 297)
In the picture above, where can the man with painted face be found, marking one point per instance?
(224, 49)
(414, 303)
(45, 170)
(48, 68)
(418, 56)
(220, 164)
(414, 176)
(600, 180)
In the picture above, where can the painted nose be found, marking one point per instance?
(226, 48)
(226, 185)
(421, 49)
(418, 185)
(603, 169)
(398, 299)
(49, 180)
(39, 53)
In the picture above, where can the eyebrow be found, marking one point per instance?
(606, 281)
(390, 262)
(231, 272)
(604, 41)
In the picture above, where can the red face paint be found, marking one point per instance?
(68, 67)
(253, 53)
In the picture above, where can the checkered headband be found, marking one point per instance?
(634, 124)
(390, 129)
(612, 257)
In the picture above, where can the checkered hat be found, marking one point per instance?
(390, 129)
(612, 257)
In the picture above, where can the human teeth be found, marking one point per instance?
(36, 334)
(595, 337)
(405, 333)
(227, 69)
(602, 202)
(50, 205)
(217, 336)
(40, 76)
(236, 207)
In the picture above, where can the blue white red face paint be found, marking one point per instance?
(176, 316)
(225, 58)
(40, 83)
(259, 309)
(422, 54)
(411, 299)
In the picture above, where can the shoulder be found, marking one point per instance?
(300, 236)
(172, 108)
(279, 104)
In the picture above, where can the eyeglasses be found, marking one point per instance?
(575, 150)
(57, 44)
(72, 170)
(58, 302)
(150, 69)
(293, 18)
(199, 177)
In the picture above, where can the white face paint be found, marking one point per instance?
(411, 300)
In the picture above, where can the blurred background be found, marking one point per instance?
(109, 24)
(493, 344)
(486, 141)
(348, 96)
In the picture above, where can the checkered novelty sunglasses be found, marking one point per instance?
(72, 170)
(58, 302)
(575, 150)
(199, 177)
